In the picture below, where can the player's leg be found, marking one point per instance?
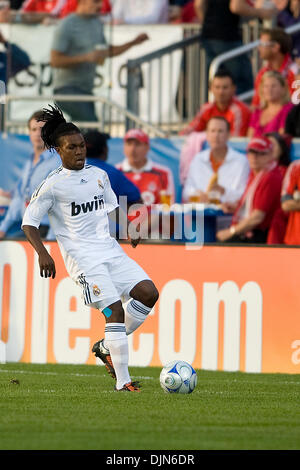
(116, 342)
(144, 296)
(99, 292)
(132, 282)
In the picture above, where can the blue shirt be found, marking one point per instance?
(119, 183)
(32, 176)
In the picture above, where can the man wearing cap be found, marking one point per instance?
(255, 210)
(151, 178)
(97, 155)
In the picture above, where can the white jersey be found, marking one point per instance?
(77, 203)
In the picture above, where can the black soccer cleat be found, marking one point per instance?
(103, 354)
(130, 387)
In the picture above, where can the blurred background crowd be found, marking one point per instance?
(222, 133)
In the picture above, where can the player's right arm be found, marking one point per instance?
(40, 204)
(46, 262)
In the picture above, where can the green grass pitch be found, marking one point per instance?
(74, 407)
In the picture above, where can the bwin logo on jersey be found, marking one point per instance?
(97, 203)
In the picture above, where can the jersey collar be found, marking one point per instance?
(127, 167)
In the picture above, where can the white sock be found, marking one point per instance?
(117, 343)
(135, 314)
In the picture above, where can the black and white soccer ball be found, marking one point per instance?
(178, 377)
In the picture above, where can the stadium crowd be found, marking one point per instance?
(260, 190)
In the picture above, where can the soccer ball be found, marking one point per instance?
(178, 377)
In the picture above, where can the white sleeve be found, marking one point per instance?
(237, 184)
(118, 11)
(110, 199)
(40, 204)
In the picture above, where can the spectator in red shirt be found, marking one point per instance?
(254, 213)
(183, 11)
(290, 203)
(150, 178)
(225, 104)
(58, 8)
(44, 10)
(275, 47)
(281, 153)
(71, 5)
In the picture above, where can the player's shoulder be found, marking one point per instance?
(48, 182)
(94, 169)
(55, 173)
(97, 172)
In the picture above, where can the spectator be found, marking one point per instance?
(71, 5)
(46, 11)
(274, 105)
(36, 169)
(225, 104)
(218, 174)
(254, 212)
(140, 11)
(221, 33)
(13, 60)
(289, 16)
(192, 144)
(182, 11)
(97, 154)
(292, 122)
(281, 150)
(281, 153)
(275, 48)
(74, 56)
(36, 11)
(290, 203)
(149, 177)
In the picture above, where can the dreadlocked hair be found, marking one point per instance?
(55, 126)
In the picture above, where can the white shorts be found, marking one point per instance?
(114, 280)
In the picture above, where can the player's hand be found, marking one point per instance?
(140, 38)
(47, 265)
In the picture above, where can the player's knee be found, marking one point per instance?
(150, 295)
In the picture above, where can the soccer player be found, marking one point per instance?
(78, 199)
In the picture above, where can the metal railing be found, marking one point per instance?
(188, 96)
(112, 119)
(214, 66)
(192, 86)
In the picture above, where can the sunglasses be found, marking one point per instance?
(266, 43)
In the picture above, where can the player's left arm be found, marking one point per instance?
(115, 212)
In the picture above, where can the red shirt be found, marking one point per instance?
(60, 8)
(150, 180)
(279, 222)
(237, 114)
(40, 6)
(288, 69)
(266, 197)
(292, 234)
